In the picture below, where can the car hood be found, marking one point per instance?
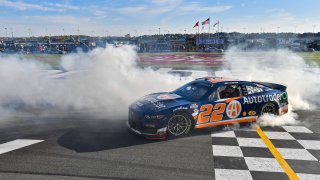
(159, 101)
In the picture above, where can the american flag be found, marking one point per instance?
(206, 22)
(196, 25)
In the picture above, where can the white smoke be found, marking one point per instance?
(278, 66)
(274, 120)
(107, 80)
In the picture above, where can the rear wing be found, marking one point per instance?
(273, 85)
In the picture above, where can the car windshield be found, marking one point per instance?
(193, 91)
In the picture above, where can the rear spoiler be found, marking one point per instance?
(273, 85)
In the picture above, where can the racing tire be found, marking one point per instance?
(179, 124)
(269, 108)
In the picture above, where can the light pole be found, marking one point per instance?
(78, 30)
(6, 32)
(314, 26)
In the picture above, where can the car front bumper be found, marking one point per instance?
(159, 134)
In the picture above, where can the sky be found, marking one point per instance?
(138, 17)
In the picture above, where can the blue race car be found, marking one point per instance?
(205, 102)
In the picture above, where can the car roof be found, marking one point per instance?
(215, 79)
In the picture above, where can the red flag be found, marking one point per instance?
(206, 22)
(196, 25)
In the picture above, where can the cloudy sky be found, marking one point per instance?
(119, 17)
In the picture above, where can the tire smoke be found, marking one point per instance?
(104, 80)
(108, 80)
(278, 66)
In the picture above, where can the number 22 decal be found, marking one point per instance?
(216, 112)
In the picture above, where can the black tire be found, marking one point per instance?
(179, 125)
(269, 108)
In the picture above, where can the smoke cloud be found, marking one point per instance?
(105, 80)
(108, 80)
(278, 66)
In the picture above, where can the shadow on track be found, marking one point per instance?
(106, 135)
(102, 136)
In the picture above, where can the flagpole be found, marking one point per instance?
(198, 27)
(198, 35)
(218, 28)
(209, 27)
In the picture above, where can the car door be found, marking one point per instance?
(216, 109)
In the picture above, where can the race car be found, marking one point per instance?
(204, 103)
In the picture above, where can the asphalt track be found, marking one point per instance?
(78, 145)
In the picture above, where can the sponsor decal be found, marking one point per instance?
(284, 96)
(244, 113)
(233, 109)
(263, 98)
(156, 103)
(252, 113)
(193, 106)
(195, 112)
(180, 108)
(166, 97)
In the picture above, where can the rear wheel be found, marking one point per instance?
(179, 124)
(269, 108)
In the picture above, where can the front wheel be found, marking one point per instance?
(179, 124)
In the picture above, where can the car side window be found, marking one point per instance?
(226, 91)
(251, 89)
(213, 96)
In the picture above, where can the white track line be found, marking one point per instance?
(16, 144)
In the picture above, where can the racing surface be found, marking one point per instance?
(75, 146)
(78, 145)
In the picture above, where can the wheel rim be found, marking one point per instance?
(269, 109)
(178, 124)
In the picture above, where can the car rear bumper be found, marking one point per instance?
(283, 110)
